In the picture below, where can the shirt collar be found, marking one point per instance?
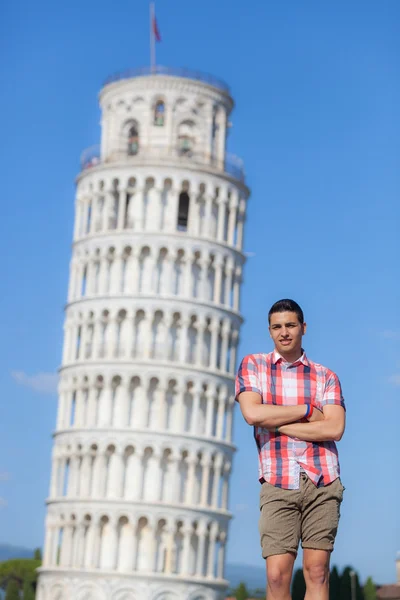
(276, 357)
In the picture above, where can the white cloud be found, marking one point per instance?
(241, 507)
(4, 476)
(45, 383)
(3, 503)
(394, 379)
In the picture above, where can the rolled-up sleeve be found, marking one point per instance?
(333, 392)
(247, 379)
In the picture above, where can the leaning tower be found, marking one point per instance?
(138, 504)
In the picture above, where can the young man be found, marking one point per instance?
(297, 411)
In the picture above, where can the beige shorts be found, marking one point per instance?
(309, 514)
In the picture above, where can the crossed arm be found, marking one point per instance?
(323, 426)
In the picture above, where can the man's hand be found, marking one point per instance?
(268, 416)
(330, 428)
(317, 415)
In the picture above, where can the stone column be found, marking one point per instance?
(102, 278)
(121, 208)
(210, 413)
(200, 327)
(196, 409)
(187, 277)
(229, 420)
(87, 560)
(236, 288)
(115, 478)
(205, 479)
(187, 532)
(183, 340)
(105, 409)
(48, 546)
(228, 284)
(169, 549)
(225, 486)
(78, 217)
(221, 218)
(55, 474)
(201, 532)
(241, 222)
(204, 262)
(99, 471)
(233, 207)
(214, 343)
(192, 461)
(66, 548)
(211, 551)
(216, 481)
(207, 216)
(221, 555)
(218, 266)
(226, 329)
(116, 279)
(85, 474)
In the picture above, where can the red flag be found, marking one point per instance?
(156, 31)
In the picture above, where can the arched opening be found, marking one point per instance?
(133, 140)
(186, 139)
(159, 114)
(183, 211)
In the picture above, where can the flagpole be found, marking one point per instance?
(152, 39)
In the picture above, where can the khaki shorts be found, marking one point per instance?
(309, 514)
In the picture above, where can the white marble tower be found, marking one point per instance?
(138, 504)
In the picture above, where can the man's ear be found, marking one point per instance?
(304, 328)
(270, 334)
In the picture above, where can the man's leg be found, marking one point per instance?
(320, 519)
(316, 573)
(279, 527)
(279, 576)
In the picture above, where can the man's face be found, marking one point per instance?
(287, 332)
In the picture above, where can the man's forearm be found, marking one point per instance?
(319, 431)
(270, 415)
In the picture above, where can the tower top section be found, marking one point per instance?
(157, 114)
(170, 72)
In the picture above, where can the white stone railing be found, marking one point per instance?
(150, 204)
(128, 544)
(232, 165)
(145, 402)
(128, 270)
(170, 335)
(141, 473)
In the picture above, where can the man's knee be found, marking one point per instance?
(279, 575)
(316, 573)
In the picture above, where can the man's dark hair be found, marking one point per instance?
(286, 305)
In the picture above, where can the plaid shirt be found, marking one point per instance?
(280, 456)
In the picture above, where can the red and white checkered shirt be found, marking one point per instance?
(280, 456)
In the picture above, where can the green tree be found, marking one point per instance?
(369, 589)
(241, 592)
(18, 569)
(37, 555)
(334, 584)
(345, 584)
(350, 582)
(298, 585)
(28, 593)
(12, 592)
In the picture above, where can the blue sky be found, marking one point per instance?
(317, 122)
